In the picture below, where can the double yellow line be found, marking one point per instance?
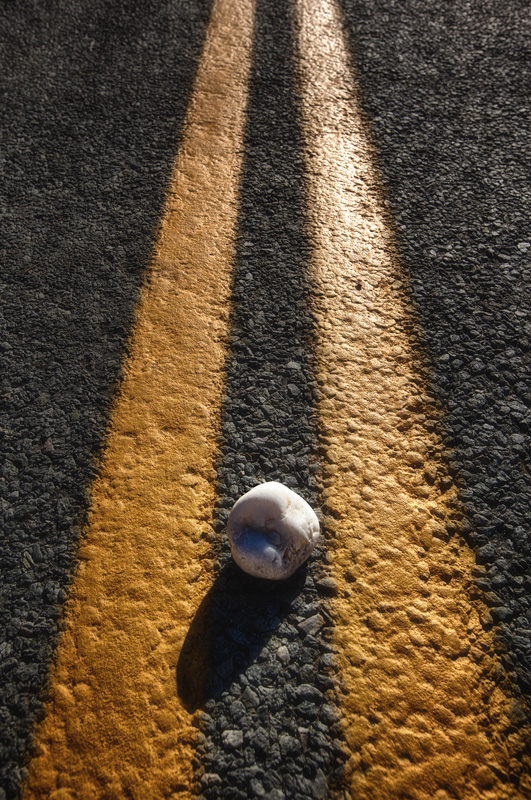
(411, 652)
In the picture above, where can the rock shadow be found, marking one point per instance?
(234, 622)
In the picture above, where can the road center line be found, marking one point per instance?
(114, 725)
(423, 716)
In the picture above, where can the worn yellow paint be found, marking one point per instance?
(115, 726)
(423, 717)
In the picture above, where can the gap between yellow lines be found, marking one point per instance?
(423, 719)
(114, 726)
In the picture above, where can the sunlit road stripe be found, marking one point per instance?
(422, 717)
(115, 726)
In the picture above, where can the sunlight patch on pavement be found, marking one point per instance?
(423, 717)
(114, 726)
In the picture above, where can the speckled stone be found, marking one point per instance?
(272, 531)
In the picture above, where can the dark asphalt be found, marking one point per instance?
(94, 99)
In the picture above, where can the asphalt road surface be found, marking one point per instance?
(265, 241)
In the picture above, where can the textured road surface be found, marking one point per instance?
(447, 93)
(94, 103)
(94, 107)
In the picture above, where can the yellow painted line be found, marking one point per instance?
(423, 719)
(115, 726)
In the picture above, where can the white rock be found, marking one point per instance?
(272, 531)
